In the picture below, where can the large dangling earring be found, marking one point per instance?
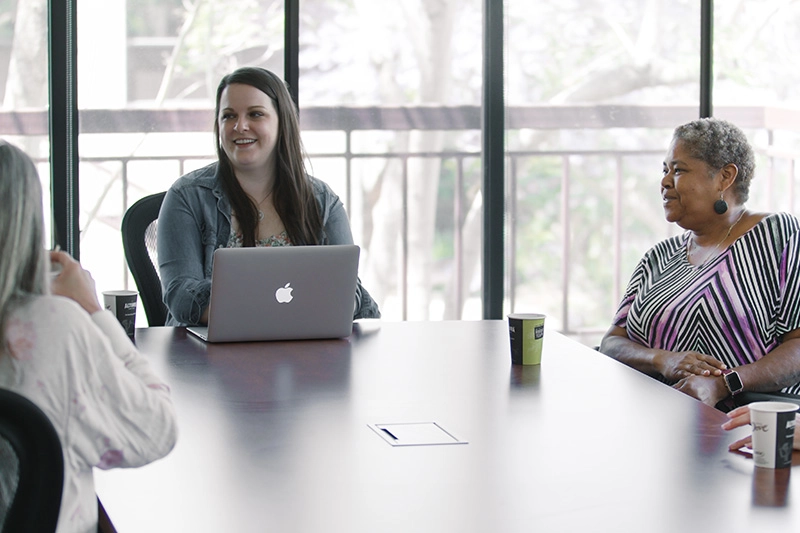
(720, 206)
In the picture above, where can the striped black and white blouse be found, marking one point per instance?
(737, 307)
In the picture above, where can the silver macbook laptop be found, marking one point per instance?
(281, 293)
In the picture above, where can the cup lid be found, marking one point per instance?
(773, 407)
(526, 316)
(119, 293)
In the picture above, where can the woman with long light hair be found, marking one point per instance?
(69, 356)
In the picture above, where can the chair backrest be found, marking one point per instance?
(39, 464)
(746, 397)
(139, 242)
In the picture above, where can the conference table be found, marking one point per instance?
(300, 437)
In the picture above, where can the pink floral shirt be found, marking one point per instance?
(107, 406)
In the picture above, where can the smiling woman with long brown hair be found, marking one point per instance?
(257, 194)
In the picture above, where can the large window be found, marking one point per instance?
(390, 95)
(756, 76)
(393, 127)
(24, 82)
(592, 97)
(147, 79)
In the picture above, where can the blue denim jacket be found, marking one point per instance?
(195, 220)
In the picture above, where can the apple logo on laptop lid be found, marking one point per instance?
(284, 294)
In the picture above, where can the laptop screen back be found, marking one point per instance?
(282, 293)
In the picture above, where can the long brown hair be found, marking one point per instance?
(292, 191)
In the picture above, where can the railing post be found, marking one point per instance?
(617, 284)
(404, 244)
(512, 233)
(458, 236)
(792, 165)
(348, 170)
(124, 179)
(565, 243)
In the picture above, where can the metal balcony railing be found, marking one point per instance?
(351, 120)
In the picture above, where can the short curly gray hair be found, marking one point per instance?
(718, 143)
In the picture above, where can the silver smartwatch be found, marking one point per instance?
(732, 381)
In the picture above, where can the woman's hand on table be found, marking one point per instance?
(741, 417)
(678, 365)
(708, 389)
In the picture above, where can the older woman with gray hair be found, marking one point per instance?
(60, 349)
(715, 311)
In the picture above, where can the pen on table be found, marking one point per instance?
(389, 433)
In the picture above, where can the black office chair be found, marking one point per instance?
(747, 397)
(39, 465)
(139, 242)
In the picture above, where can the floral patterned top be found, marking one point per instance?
(108, 407)
(281, 239)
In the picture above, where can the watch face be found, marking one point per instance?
(734, 382)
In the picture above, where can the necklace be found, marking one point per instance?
(691, 245)
(260, 212)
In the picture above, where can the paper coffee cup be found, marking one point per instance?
(773, 433)
(526, 331)
(123, 305)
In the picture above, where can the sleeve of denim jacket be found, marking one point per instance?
(186, 290)
(337, 231)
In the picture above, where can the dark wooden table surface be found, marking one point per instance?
(276, 437)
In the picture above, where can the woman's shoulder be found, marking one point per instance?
(322, 191)
(205, 178)
(667, 247)
(774, 228)
(46, 304)
(199, 189)
(774, 231)
(784, 223)
(49, 311)
(319, 186)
